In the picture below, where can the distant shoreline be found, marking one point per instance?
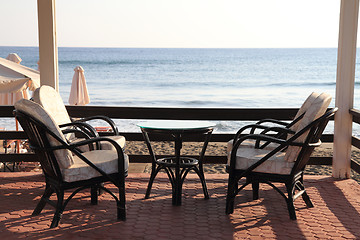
(112, 47)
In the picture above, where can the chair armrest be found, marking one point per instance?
(258, 137)
(270, 120)
(82, 126)
(317, 144)
(280, 132)
(77, 132)
(82, 134)
(104, 118)
(250, 126)
(82, 129)
(281, 123)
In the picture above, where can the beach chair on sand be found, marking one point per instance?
(66, 167)
(285, 163)
(52, 102)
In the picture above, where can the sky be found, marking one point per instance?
(178, 24)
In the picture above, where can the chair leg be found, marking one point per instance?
(154, 172)
(59, 209)
(230, 201)
(200, 173)
(304, 195)
(100, 190)
(255, 187)
(290, 202)
(230, 196)
(307, 200)
(94, 194)
(121, 209)
(40, 206)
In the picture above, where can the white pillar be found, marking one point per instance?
(48, 52)
(345, 87)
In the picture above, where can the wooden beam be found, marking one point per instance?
(48, 51)
(345, 87)
(224, 114)
(355, 141)
(355, 166)
(355, 115)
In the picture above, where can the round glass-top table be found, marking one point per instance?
(174, 125)
(177, 166)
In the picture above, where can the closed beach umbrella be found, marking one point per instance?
(14, 57)
(79, 94)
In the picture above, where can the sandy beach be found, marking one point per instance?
(219, 149)
(215, 149)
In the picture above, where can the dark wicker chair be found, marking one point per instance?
(284, 163)
(65, 167)
(276, 127)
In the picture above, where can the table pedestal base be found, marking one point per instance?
(177, 177)
(177, 167)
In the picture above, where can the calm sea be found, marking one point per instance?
(229, 78)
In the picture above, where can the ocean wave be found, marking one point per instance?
(304, 84)
(98, 62)
(301, 84)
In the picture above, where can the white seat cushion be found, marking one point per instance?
(104, 145)
(245, 157)
(249, 143)
(106, 160)
(108, 146)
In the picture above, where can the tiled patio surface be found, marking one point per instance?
(336, 214)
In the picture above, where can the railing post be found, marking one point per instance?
(345, 87)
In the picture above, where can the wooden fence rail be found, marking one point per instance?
(141, 113)
(355, 141)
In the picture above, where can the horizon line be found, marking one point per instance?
(180, 47)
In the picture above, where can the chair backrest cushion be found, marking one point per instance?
(63, 156)
(52, 102)
(317, 108)
(304, 107)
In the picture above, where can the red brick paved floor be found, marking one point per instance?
(336, 214)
